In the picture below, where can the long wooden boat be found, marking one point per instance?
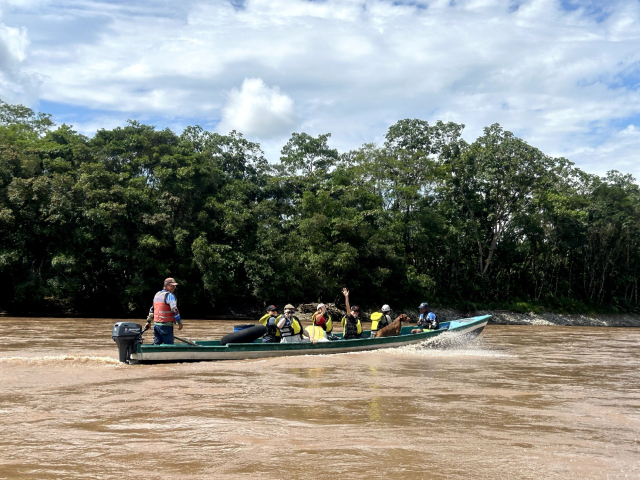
(212, 350)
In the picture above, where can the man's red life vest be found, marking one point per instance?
(161, 310)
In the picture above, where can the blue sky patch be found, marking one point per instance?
(599, 10)
(411, 3)
(79, 116)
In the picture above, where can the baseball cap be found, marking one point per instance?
(170, 281)
(320, 305)
(424, 305)
(355, 308)
(386, 308)
(271, 308)
(289, 306)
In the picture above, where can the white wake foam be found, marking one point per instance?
(63, 359)
(447, 344)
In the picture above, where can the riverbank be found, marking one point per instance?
(498, 317)
(504, 317)
(572, 320)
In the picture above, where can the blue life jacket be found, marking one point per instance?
(430, 321)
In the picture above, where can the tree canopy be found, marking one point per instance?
(93, 225)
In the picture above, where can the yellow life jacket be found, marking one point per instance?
(379, 320)
(348, 328)
(327, 326)
(264, 320)
(315, 332)
(294, 329)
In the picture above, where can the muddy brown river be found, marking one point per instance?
(519, 402)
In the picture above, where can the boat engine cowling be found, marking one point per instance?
(127, 336)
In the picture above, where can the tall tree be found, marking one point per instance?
(307, 154)
(495, 181)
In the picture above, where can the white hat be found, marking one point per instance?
(320, 305)
(386, 308)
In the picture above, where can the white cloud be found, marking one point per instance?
(15, 41)
(563, 80)
(257, 110)
(15, 84)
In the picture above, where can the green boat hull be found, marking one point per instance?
(212, 350)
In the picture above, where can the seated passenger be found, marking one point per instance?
(291, 330)
(322, 319)
(428, 320)
(351, 326)
(269, 321)
(380, 319)
(432, 319)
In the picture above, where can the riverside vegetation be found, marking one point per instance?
(93, 225)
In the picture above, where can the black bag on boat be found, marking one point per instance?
(248, 335)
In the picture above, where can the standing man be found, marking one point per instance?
(351, 326)
(164, 313)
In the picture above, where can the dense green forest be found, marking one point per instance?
(93, 225)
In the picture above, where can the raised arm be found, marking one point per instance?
(345, 292)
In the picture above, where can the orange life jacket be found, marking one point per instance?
(161, 310)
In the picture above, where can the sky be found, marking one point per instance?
(564, 75)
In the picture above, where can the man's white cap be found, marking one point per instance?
(386, 308)
(320, 305)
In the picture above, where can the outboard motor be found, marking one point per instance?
(127, 336)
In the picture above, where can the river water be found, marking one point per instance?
(520, 402)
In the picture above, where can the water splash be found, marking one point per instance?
(448, 344)
(71, 360)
